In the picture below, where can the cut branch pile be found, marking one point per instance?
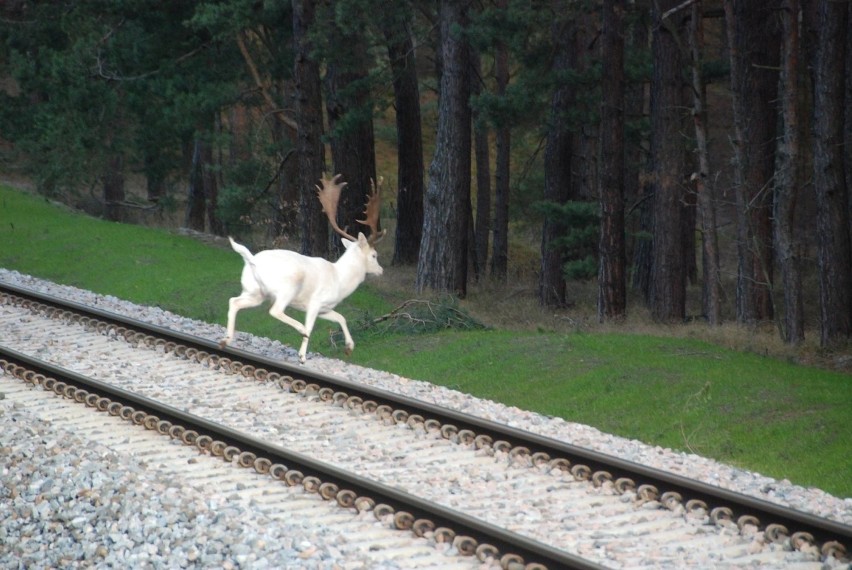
(417, 316)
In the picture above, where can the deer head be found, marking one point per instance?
(329, 197)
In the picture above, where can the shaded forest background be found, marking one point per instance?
(688, 158)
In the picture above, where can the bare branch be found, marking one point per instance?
(279, 114)
(678, 8)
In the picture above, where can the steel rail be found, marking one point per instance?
(736, 504)
(507, 542)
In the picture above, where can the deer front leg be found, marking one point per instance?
(303, 350)
(277, 311)
(310, 319)
(336, 317)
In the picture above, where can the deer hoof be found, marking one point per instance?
(223, 343)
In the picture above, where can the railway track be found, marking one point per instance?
(562, 505)
(194, 488)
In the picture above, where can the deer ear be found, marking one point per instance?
(362, 240)
(347, 243)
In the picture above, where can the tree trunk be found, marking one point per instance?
(211, 165)
(848, 118)
(500, 251)
(643, 254)
(704, 189)
(788, 180)
(155, 174)
(286, 218)
(409, 207)
(637, 187)
(612, 295)
(202, 199)
(833, 229)
(310, 128)
(443, 249)
(754, 47)
(113, 184)
(350, 116)
(690, 210)
(194, 216)
(482, 223)
(586, 141)
(557, 169)
(668, 277)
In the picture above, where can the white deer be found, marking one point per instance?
(310, 284)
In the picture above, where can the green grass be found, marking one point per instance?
(783, 420)
(764, 414)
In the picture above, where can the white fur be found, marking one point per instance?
(310, 284)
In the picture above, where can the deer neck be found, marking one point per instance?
(350, 270)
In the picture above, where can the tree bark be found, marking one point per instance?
(155, 174)
(668, 277)
(834, 250)
(194, 215)
(210, 172)
(409, 207)
(704, 189)
(286, 217)
(349, 110)
(848, 118)
(500, 250)
(612, 295)
(788, 180)
(482, 222)
(443, 249)
(586, 140)
(754, 47)
(638, 187)
(557, 169)
(310, 128)
(203, 195)
(113, 185)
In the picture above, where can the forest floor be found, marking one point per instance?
(513, 305)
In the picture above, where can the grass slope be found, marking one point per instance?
(764, 414)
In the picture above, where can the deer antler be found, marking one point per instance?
(329, 197)
(372, 211)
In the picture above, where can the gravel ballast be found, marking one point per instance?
(30, 472)
(68, 503)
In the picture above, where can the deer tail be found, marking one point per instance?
(243, 251)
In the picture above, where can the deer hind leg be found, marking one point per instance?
(336, 317)
(246, 300)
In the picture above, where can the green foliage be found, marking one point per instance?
(638, 64)
(247, 198)
(525, 31)
(143, 79)
(234, 208)
(581, 269)
(580, 224)
(97, 79)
